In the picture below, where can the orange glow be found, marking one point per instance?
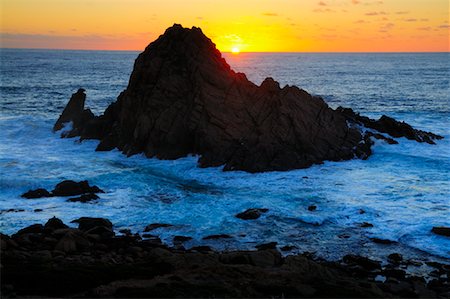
(251, 25)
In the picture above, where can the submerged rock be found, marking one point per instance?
(183, 98)
(251, 214)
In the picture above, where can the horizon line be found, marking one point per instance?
(229, 52)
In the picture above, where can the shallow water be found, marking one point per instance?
(403, 189)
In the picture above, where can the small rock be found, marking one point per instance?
(251, 214)
(38, 210)
(71, 188)
(153, 226)
(215, 237)
(395, 258)
(38, 193)
(364, 262)
(86, 223)
(54, 223)
(84, 198)
(312, 208)
(396, 273)
(441, 230)
(366, 224)
(382, 241)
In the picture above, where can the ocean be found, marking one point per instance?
(403, 189)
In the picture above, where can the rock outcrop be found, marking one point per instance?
(183, 98)
(54, 260)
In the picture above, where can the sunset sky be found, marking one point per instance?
(248, 25)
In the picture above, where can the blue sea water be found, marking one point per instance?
(403, 189)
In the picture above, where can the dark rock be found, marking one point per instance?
(126, 232)
(382, 241)
(441, 230)
(37, 210)
(72, 241)
(32, 229)
(390, 126)
(251, 214)
(270, 245)
(202, 248)
(395, 258)
(153, 226)
(74, 112)
(84, 198)
(102, 231)
(215, 237)
(181, 239)
(177, 104)
(366, 224)
(364, 262)
(38, 193)
(382, 137)
(71, 188)
(396, 273)
(54, 223)
(288, 248)
(312, 208)
(87, 223)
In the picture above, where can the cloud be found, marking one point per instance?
(88, 41)
(375, 13)
(444, 26)
(360, 22)
(411, 20)
(356, 2)
(428, 28)
(402, 12)
(270, 14)
(321, 3)
(323, 10)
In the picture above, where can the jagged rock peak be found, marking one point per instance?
(183, 98)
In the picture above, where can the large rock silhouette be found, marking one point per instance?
(183, 98)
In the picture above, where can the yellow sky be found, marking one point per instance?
(250, 25)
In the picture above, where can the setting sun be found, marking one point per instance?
(235, 50)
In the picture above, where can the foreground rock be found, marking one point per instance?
(183, 98)
(53, 260)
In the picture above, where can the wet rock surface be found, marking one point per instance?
(54, 260)
(183, 98)
(67, 188)
(251, 214)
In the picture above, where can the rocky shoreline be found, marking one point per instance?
(54, 260)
